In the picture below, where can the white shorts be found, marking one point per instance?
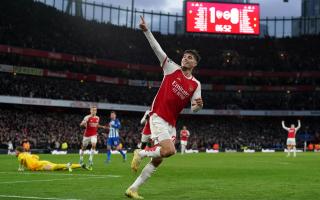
(161, 130)
(145, 138)
(87, 140)
(183, 142)
(291, 141)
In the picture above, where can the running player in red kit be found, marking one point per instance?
(184, 135)
(91, 123)
(291, 141)
(146, 132)
(177, 90)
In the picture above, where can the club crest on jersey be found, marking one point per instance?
(190, 88)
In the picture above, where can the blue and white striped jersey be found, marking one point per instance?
(114, 128)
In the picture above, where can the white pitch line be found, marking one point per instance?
(45, 180)
(27, 197)
(60, 174)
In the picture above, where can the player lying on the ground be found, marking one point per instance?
(32, 162)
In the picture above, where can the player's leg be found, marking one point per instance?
(147, 171)
(119, 148)
(93, 141)
(144, 140)
(294, 150)
(163, 134)
(56, 167)
(85, 142)
(288, 147)
(183, 147)
(165, 149)
(145, 135)
(289, 150)
(109, 146)
(44, 165)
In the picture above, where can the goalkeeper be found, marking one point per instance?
(32, 162)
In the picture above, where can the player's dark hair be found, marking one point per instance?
(113, 112)
(195, 53)
(20, 149)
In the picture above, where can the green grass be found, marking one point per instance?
(198, 176)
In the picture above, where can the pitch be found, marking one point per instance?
(223, 176)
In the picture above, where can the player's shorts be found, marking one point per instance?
(291, 141)
(113, 142)
(145, 138)
(183, 142)
(87, 140)
(161, 130)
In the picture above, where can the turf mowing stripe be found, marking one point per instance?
(60, 174)
(26, 197)
(46, 180)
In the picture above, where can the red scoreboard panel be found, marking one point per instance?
(222, 18)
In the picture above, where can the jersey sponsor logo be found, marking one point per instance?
(93, 124)
(179, 91)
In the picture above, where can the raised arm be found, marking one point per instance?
(299, 125)
(162, 56)
(284, 126)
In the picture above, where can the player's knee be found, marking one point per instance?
(156, 161)
(167, 152)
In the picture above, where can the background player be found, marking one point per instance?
(184, 135)
(146, 132)
(291, 141)
(32, 162)
(91, 123)
(26, 145)
(113, 136)
(177, 89)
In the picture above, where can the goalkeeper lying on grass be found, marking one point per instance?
(32, 162)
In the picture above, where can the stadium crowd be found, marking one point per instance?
(54, 88)
(65, 33)
(47, 128)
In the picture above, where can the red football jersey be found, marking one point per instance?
(175, 93)
(292, 133)
(92, 125)
(184, 135)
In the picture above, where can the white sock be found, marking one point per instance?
(183, 148)
(81, 155)
(294, 151)
(288, 151)
(145, 174)
(91, 156)
(152, 152)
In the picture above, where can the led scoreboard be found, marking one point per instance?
(222, 18)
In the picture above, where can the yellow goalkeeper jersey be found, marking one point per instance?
(30, 161)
